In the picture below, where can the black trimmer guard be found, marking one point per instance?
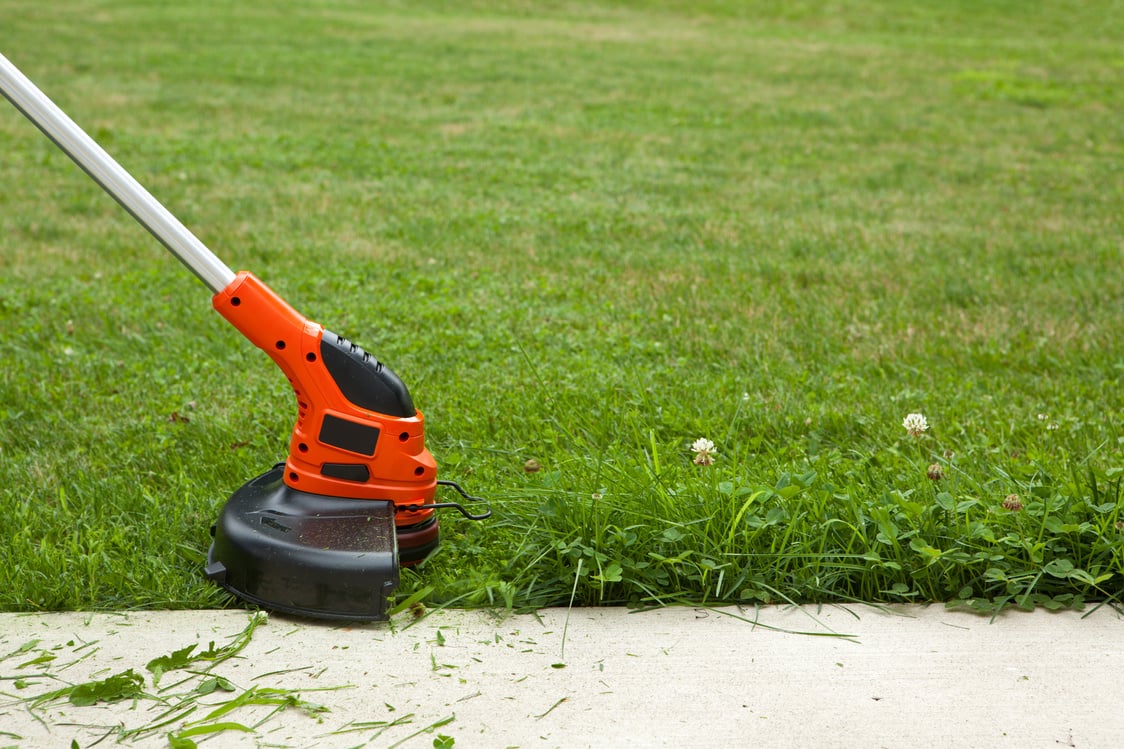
(305, 554)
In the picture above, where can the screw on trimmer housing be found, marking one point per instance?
(322, 534)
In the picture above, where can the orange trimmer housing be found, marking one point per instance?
(357, 433)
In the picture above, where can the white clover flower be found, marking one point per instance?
(702, 444)
(704, 451)
(915, 424)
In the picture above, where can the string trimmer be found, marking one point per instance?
(323, 533)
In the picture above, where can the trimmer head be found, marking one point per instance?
(305, 554)
(318, 556)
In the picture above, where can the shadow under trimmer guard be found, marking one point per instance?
(322, 534)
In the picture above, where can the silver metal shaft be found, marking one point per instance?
(113, 178)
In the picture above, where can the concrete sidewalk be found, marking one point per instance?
(680, 677)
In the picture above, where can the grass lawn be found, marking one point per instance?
(587, 234)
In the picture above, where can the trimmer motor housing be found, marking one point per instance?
(357, 433)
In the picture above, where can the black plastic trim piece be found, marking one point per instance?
(349, 435)
(346, 471)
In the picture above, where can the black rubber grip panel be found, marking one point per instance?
(349, 435)
(363, 379)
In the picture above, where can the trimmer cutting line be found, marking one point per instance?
(321, 534)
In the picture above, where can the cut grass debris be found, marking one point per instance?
(588, 235)
(123, 686)
(176, 704)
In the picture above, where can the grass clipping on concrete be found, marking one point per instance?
(197, 702)
(588, 236)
